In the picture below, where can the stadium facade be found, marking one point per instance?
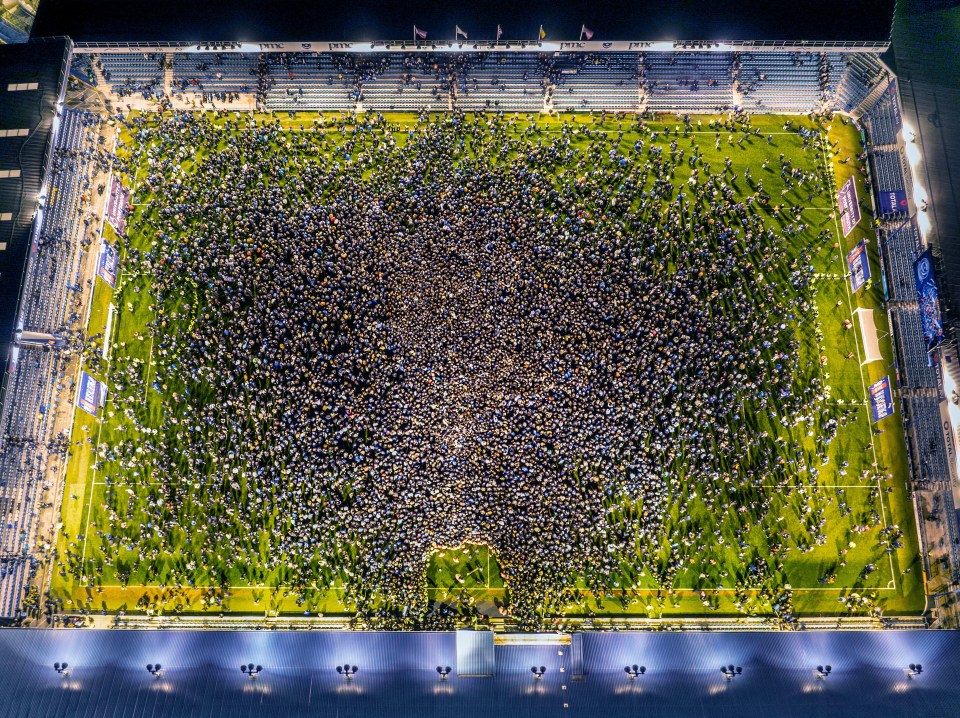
(632, 77)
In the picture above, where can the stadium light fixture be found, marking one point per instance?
(154, 669)
(251, 670)
(538, 672)
(914, 670)
(913, 155)
(634, 671)
(909, 134)
(823, 672)
(730, 672)
(443, 672)
(347, 671)
(62, 668)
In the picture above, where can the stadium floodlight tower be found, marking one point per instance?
(730, 672)
(251, 670)
(347, 671)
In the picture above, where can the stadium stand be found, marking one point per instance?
(407, 82)
(133, 73)
(26, 441)
(688, 81)
(608, 81)
(214, 72)
(863, 77)
(311, 81)
(780, 82)
(500, 81)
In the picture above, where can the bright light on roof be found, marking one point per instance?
(913, 155)
(923, 221)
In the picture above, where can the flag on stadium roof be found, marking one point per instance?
(461, 32)
(499, 32)
(543, 33)
(419, 34)
(586, 32)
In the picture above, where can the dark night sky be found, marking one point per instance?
(265, 20)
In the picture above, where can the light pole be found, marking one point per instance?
(730, 672)
(251, 670)
(347, 671)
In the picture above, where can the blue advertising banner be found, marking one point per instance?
(929, 299)
(892, 201)
(107, 266)
(895, 106)
(859, 266)
(91, 394)
(881, 399)
(849, 206)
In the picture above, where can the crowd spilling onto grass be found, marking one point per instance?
(369, 340)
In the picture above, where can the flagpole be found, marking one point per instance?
(581, 32)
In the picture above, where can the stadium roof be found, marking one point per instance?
(292, 20)
(397, 675)
(31, 77)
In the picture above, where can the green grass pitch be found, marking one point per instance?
(826, 528)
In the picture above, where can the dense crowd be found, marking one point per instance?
(372, 341)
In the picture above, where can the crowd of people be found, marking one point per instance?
(367, 341)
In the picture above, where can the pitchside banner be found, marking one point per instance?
(107, 266)
(91, 395)
(893, 201)
(859, 266)
(849, 206)
(895, 107)
(929, 299)
(117, 205)
(881, 399)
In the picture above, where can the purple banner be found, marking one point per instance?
(881, 399)
(859, 266)
(117, 206)
(849, 206)
(892, 201)
(91, 394)
(895, 106)
(107, 266)
(929, 298)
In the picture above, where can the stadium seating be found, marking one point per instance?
(595, 81)
(25, 428)
(214, 72)
(880, 122)
(780, 82)
(311, 81)
(500, 81)
(864, 74)
(133, 73)
(407, 82)
(688, 81)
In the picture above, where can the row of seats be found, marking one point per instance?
(916, 372)
(658, 81)
(29, 402)
(900, 251)
(881, 123)
(923, 415)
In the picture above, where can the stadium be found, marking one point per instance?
(492, 352)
